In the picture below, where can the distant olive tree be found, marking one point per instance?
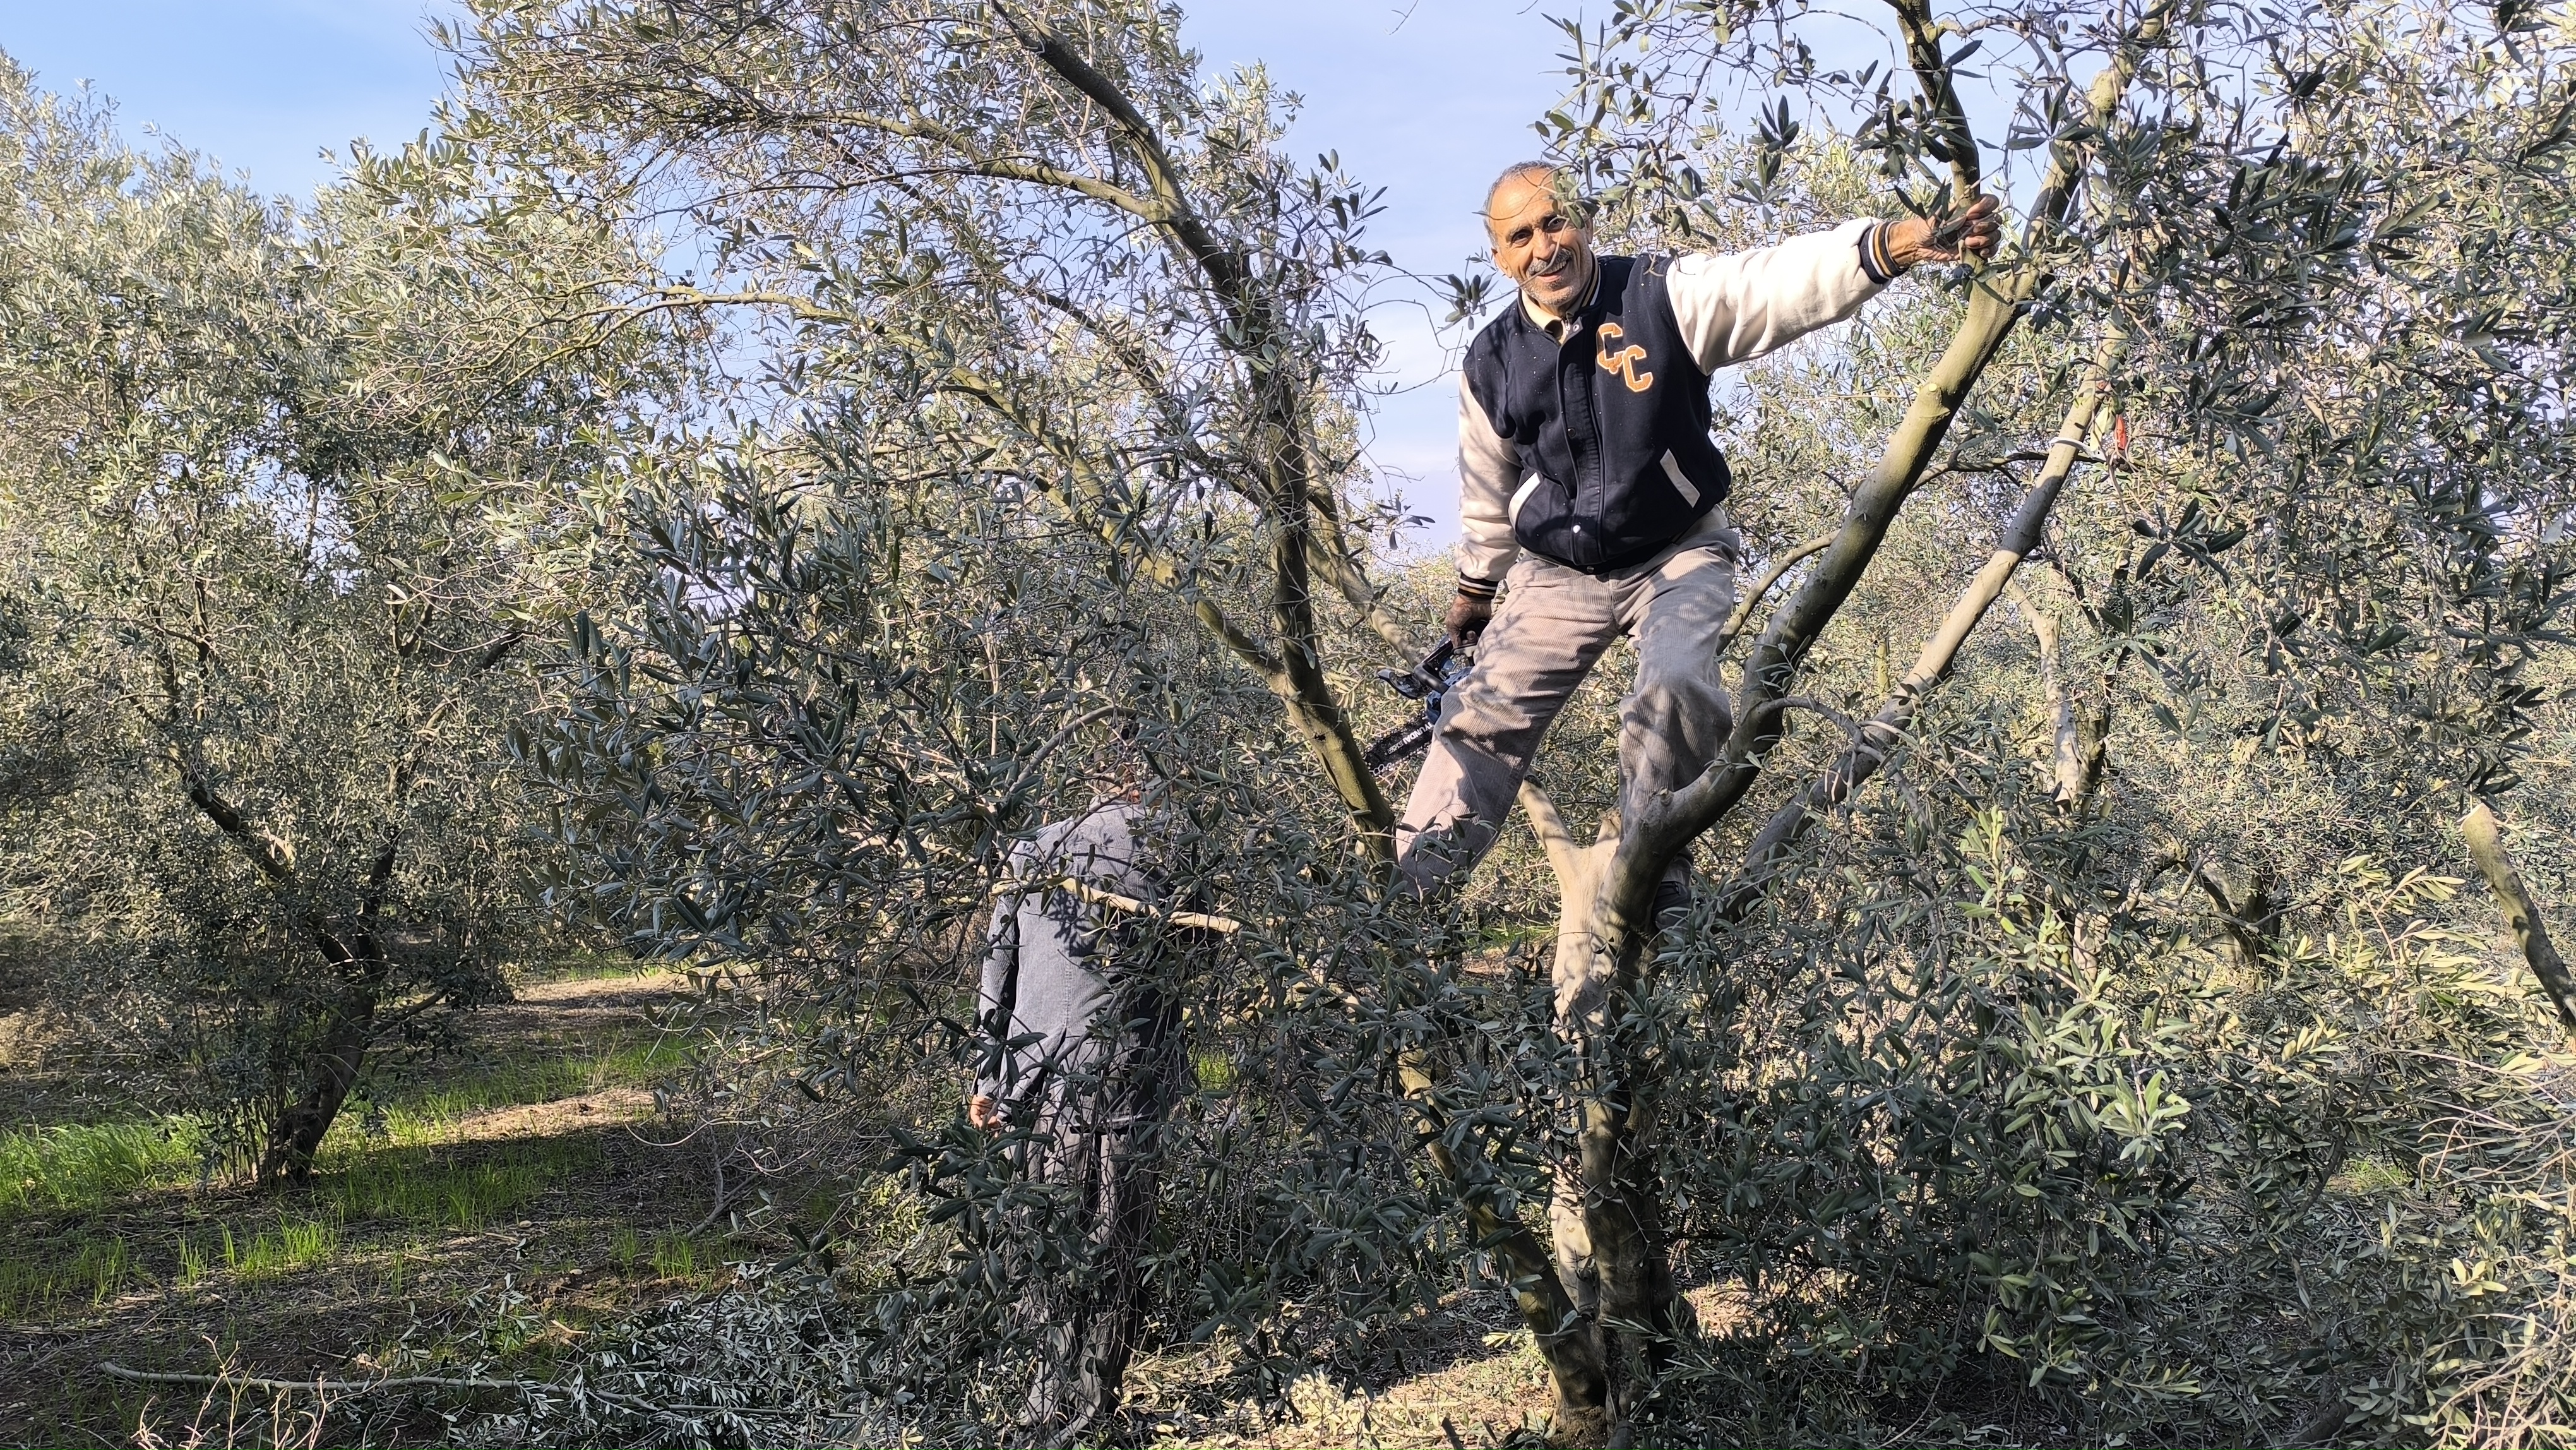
(277, 495)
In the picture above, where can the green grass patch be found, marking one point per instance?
(59, 1275)
(677, 1256)
(418, 1113)
(590, 967)
(665, 1255)
(294, 1244)
(84, 1165)
(398, 1169)
(1215, 1072)
(2371, 1177)
(406, 1187)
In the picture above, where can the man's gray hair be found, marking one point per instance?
(1515, 172)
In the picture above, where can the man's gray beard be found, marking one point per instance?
(1532, 280)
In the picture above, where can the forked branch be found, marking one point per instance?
(1953, 139)
(1770, 580)
(1879, 736)
(1668, 823)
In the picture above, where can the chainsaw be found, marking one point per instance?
(1428, 682)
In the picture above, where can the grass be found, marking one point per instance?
(675, 1256)
(2370, 1177)
(297, 1244)
(376, 1188)
(383, 1187)
(97, 1270)
(665, 1255)
(396, 1174)
(88, 1268)
(101, 1246)
(85, 1165)
(408, 1115)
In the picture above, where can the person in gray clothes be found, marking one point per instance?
(1080, 1052)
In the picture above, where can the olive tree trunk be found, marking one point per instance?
(1607, 929)
(2486, 847)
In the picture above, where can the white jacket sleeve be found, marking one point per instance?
(1488, 472)
(1738, 306)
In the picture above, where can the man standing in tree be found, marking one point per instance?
(1584, 452)
(1081, 1051)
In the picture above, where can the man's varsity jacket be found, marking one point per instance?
(1585, 440)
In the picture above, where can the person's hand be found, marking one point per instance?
(1468, 616)
(984, 1113)
(1973, 233)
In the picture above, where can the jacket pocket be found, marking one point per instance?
(1681, 481)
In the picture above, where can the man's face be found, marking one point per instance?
(1537, 245)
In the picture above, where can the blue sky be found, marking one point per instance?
(1427, 99)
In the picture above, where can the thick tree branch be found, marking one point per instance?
(1353, 584)
(1771, 578)
(1565, 1338)
(1549, 827)
(2072, 766)
(274, 858)
(1880, 734)
(1309, 696)
(975, 161)
(2486, 847)
(1223, 266)
(1949, 126)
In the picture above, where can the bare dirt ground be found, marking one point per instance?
(596, 1227)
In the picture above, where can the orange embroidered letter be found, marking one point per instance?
(1624, 361)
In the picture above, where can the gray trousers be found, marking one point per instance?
(1549, 632)
(1098, 1139)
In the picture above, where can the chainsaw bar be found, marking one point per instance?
(1427, 682)
(1397, 744)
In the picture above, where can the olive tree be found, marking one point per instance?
(2247, 275)
(278, 496)
(1070, 358)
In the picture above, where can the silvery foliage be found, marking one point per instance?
(2167, 1099)
(276, 499)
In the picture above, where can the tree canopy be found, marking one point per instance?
(732, 482)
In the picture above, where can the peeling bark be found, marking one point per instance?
(2066, 753)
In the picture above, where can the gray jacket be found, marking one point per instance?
(1044, 987)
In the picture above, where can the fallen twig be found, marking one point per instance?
(404, 1382)
(317, 1386)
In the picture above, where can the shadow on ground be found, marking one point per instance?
(551, 1215)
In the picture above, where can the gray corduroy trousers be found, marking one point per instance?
(1548, 633)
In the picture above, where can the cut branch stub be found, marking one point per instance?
(2486, 847)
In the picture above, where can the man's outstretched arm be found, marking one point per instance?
(1736, 306)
